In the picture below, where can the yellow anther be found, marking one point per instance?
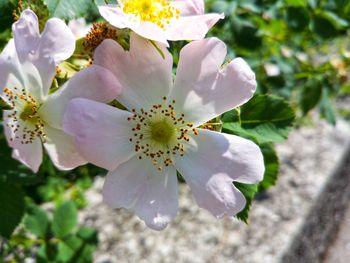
(159, 12)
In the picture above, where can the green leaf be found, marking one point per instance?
(78, 248)
(271, 166)
(12, 208)
(327, 24)
(65, 219)
(310, 95)
(47, 253)
(37, 221)
(68, 248)
(296, 2)
(249, 191)
(103, 2)
(247, 34)
(88, 234)
(297, 18)
(326, 107)
(68, 9)
(6, 17)
(264, 119)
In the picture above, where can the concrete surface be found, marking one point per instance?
(339, 251)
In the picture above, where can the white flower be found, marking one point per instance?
(27, 68)
(160, 132)
(162, 20)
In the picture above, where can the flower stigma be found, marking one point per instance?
(159, 12)
(24, 119)
(160, 133)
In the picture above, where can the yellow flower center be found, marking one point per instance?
(160, 133)
(159, 12)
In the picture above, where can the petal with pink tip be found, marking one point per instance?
(192, 27)
(137, 185)
(150, 31)
(145, 76)
(189, 7)
(206, 90)
(31, 155)
(212, 161)
(26, 34)
(61, 149)
(115, 16)
(11, 71)
(57, 43)
(101, 132)
(95, 83)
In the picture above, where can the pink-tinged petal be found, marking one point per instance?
(61, 149)
(57, 41)
(95, 83)
(26, 34)
(192, 27)
(150, 31)
(11, 71)
(32, 81)
(137, 185)
(115, 16)
(31, 155)
(206, 90)
(189, 7)
(101, 132)
(212, 161)
(145, 76)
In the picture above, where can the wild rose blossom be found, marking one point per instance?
(161, 20)
(160, 132)
(27, 68)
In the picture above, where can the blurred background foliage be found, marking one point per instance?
(300, 52)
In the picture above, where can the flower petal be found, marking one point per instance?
(61, 149)
(145, 76)
(150, 31)
(212, 162)
(192, 27)
(95, 83)
(57, 43)
(11, 72)
(26, 34)
(101, 132)
(189, 7)
(29, 154)
(136, 185)
(115, 16)
(206, 91)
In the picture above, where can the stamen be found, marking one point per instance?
(25, 109)
(159, 12)
(160, 134)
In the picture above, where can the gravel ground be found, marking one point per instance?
(339, 252)
(308, 160)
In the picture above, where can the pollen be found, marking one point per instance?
(98, 33)
(159, 12)
(160, 133)
(24, 119)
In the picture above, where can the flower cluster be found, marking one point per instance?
(159, 131)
